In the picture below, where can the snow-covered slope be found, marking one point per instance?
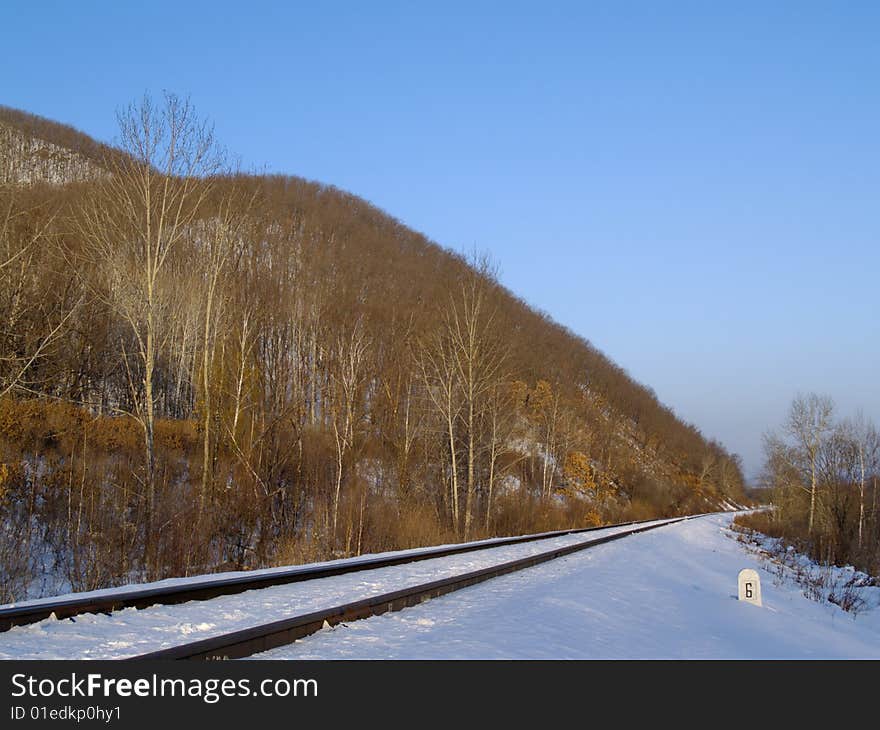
(669, 593)
(26, 159)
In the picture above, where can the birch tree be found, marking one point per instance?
(437, 365)
(478, 357)
(133, 221)
(349, 377)
(862, 434)
(809, 421)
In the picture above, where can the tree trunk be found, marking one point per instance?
(149, 438)
(861, 494)
(470, 476)
(812, 492)
(454, 464)
(206, 383)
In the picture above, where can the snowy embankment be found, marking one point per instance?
(668, 593)
(131, 632)
(209, 578)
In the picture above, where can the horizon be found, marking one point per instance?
(712, 233)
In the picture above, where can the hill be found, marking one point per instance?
(202, 370)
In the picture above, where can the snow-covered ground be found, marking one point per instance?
(131, 632)
(668, 593)
(207, 579)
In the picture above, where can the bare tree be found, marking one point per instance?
(545, 410)
(809, 421)
(478, 356)
(499, 419)
(861, 433)
(436, 360)
(218, 246)
(461, 361)
(349, 358)
(134, 220)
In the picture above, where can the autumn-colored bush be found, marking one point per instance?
(180, 437)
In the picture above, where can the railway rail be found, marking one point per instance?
(212, 587)
(247, 642)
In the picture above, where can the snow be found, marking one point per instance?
(26, 160)
(664, 594)
(845, 586)
(130, 632)
(208, 579)
(668, 593)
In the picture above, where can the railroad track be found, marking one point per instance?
(214, 587)
(257, 639)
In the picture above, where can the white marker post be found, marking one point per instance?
(750, 586)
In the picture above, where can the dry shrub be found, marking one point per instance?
(180, 437)
(414, 524)
(299, 549)
(385, 526)
(41, 425)
(638, 510)
(793, 532)
(516, 513)
(116, 435)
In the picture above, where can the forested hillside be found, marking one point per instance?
(202, 370)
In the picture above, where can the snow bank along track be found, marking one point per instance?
(246, 642)
(211, 587)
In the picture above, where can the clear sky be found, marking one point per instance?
(694, 187)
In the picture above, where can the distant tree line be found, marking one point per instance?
(203, 370)
(822, 475)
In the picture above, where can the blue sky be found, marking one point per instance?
(693, 187)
